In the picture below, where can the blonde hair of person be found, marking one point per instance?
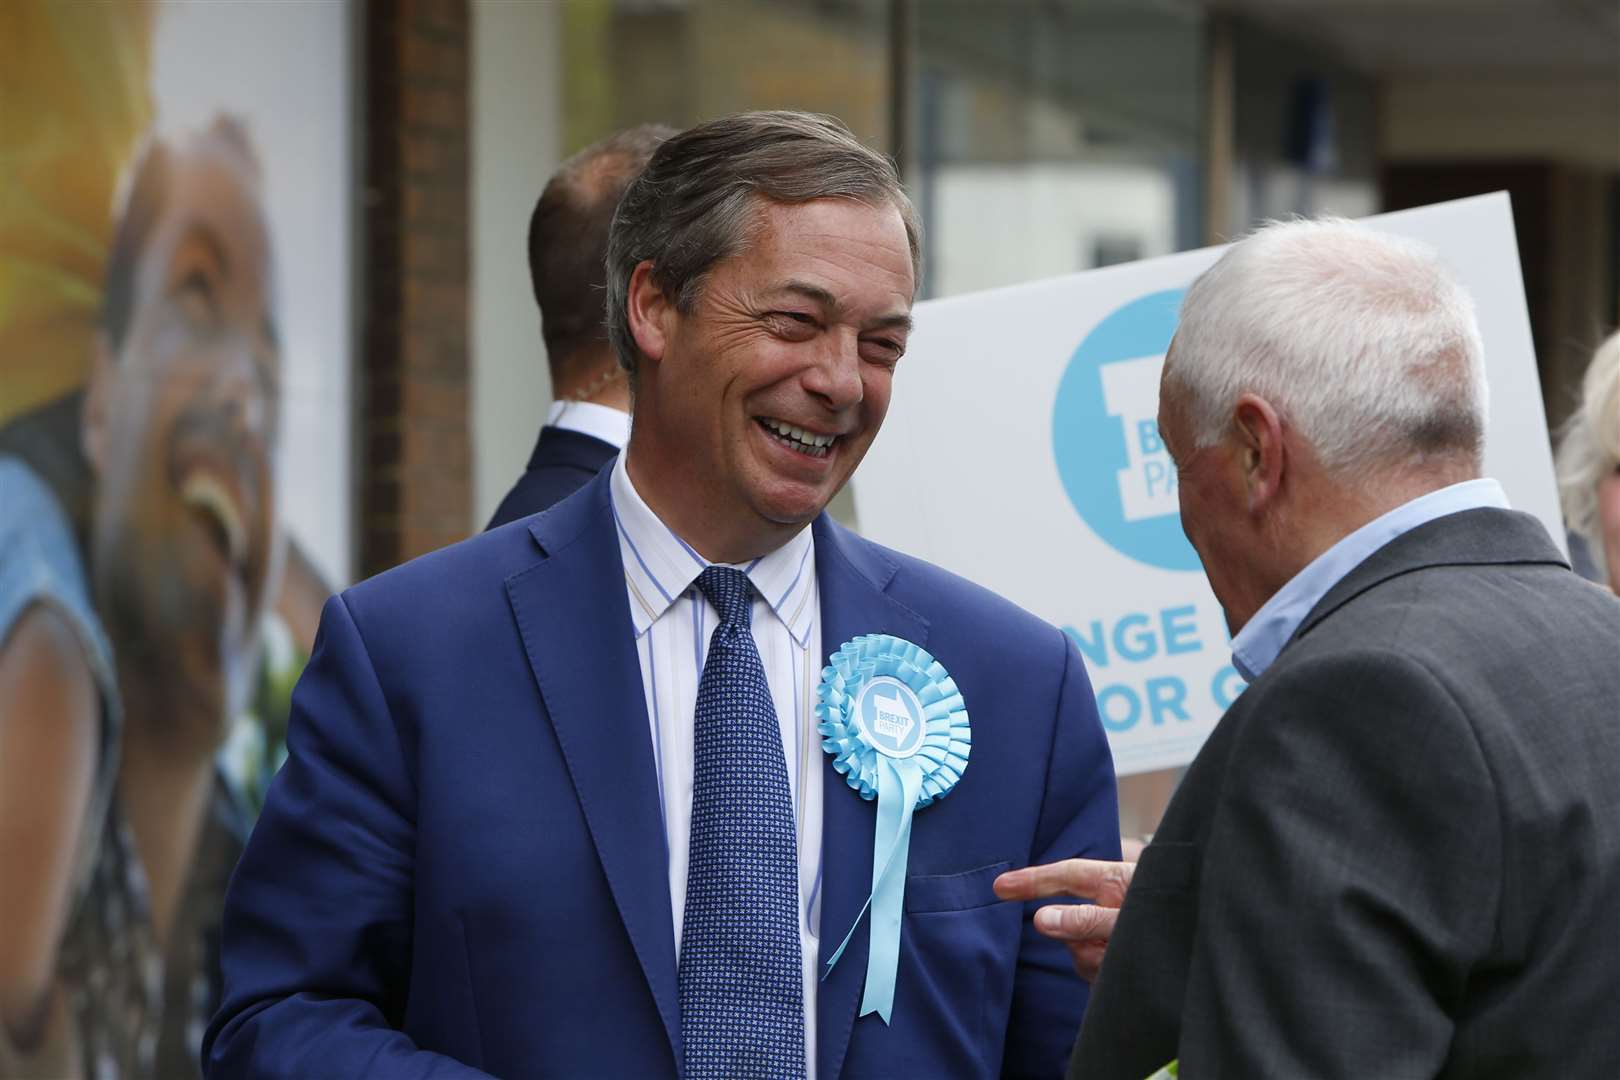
(1589, 450)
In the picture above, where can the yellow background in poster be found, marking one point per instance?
(74, 100)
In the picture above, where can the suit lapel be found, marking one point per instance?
(852, 576)
(573, 614)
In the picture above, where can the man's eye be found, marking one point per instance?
(793, 324)
(197, 299)
(882, 351)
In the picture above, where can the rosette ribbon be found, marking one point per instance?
(897, 728)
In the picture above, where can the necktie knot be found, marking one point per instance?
(731, 593)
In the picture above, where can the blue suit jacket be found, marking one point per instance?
(462, 865)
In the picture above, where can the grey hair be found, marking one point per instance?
(697, 201)
(1363, 341)
(1589, 448)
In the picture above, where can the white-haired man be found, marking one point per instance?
(1399, 853)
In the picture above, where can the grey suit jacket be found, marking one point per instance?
(1398, 855)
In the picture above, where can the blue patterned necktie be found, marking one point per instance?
(742, 1003)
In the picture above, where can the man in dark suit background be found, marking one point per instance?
(588, 421)
(1398, 855)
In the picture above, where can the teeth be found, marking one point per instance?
(798, 434)
(205, 492)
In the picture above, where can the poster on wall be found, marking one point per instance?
(1034, 407)
(175, 350)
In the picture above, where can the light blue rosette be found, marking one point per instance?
(897, 729)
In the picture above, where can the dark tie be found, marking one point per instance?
(742, 1004)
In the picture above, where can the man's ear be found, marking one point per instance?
(649, 311)
(93, 410)
(1260, 441)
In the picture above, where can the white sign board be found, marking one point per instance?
(1021, 451)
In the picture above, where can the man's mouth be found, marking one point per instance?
(797, 438)
(216, 508)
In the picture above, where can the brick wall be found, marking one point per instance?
(414, 459)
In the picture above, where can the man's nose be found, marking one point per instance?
(241, 389)
(836, 376)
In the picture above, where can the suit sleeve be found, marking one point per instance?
(317, 928)
(1350, 881)
(1079, 818)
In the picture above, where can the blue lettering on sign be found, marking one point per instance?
(1226, 686)
(1119, 707)
(1167, 695)
(1091, 647)
(1137, 647)
(1180, 628)
(1134, 637)
(1158, 478)
(1109, 454)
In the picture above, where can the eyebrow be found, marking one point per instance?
(826, 299)
(205, 235)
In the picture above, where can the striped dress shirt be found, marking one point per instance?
(673, 622)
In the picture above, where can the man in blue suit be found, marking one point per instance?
(555, 803)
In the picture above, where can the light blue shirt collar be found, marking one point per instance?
(1256, 646)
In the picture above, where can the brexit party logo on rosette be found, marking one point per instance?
(1105, 434)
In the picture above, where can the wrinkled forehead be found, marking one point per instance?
(860, 225)
(852, 249)
(212, 215)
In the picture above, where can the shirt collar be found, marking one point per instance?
(1262, 638)
(588, 418)
(659, 566)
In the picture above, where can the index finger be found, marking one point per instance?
(1087, 879)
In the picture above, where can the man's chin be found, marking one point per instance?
(794, 509)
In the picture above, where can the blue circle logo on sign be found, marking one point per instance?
(1106, 437)
(890, 716)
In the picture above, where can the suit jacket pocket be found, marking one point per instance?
(1167, 866)
(953, 991)
(953, 892)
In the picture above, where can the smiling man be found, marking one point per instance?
(556, 802)
(137, 523)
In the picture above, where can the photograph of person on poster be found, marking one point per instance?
(143, 554)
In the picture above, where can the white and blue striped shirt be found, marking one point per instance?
(673, 622)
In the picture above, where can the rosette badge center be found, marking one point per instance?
(890, 715)
(897, 728)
